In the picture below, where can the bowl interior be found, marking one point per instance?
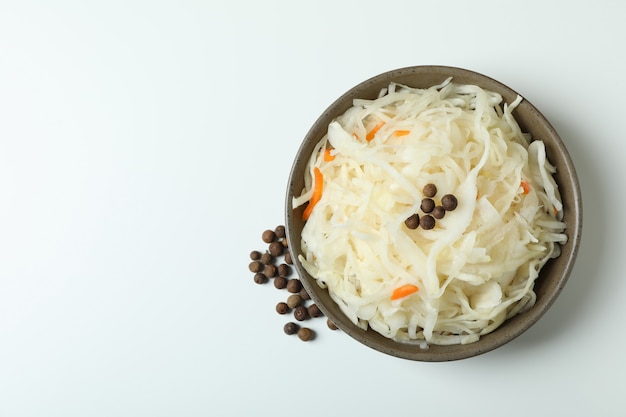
(552, 277)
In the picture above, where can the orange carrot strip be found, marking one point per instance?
(401, 132)
(317, 193)
(370, 135)
(328, 156)
(525, 186)
(403, 291)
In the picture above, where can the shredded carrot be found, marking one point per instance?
(328, 156)
(355, 135)
(401, 132)
(403, 291)
(318, 185)
(370, 135)
(525, 186)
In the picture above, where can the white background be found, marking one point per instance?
(145, 146)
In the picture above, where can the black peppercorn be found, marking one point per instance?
(300, 313)
(268, 236)
(280, 282)
(304, 294)
(267, 259)
(438, 212)
(430, 190)
(276, 249)
(428, 204)
(305, 334)
(294, 285)
(288, 259)
(449, 202)
(270, 271)
(284, 270)
(331, 325)
(291, 328)
(260, 278)
(284, 242)
(255, 255)
(413, 221)
(282, 308)
(280, 231)
(255, 266)
(294, 300)
(427, 222)
(314, 311)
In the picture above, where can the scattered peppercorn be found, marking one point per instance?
(270, 271)
(331, 325)
(427, 222)
(294, 285)
(294, 300)
(438, 212)
(430, 190)
(268, 236)
(314, 311)
(305, 334)
(266, 265)
(284, 270)
(413, 221)
(280, 282)
(304, 294)
(428, 204)
(276, 249)
(300, 313)
(255, 266)
(449, 202)
(282, 308)
(260, 278)
(291, 328)
(267, 259)
(280, 231)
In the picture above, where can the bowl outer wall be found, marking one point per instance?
(552, 277)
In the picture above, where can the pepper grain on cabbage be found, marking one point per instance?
(478, 266)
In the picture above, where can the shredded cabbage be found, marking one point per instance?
(477, 267)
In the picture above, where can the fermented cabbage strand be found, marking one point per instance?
(478, 266)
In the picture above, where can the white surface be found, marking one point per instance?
(145, 145)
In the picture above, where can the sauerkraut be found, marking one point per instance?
(477, 267)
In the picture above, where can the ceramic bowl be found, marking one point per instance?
(552, 277)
